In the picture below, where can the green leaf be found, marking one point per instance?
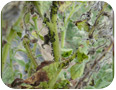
(62, 84)
(99, 51)
(77, 70)
(101, 83)
(19, 34)
(8, 75)
(27, 65)
(43, 85)
(39, 55)
(16, 73)
(21, 62)
(66, 52)
(21, 49)
(81, 56)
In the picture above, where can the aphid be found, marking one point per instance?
(52, 39)
(32, 9)
(34, 40)
(46, 40)
(90, 36)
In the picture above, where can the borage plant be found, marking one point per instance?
(57, 44)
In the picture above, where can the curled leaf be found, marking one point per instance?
(66, 52)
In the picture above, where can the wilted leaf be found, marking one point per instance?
(16, 82)
(43, 64)
(36, 78)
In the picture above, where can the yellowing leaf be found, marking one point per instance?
(34, 34)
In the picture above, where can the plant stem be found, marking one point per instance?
(97, 20)
(53, 31)
(53, 34)
(26, 42)
(29, 71)
(63, 35)
(10, 37)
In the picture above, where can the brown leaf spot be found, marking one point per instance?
(33, 77)
(41, 77)
(16, 82)
(23, 87)
(45, 63)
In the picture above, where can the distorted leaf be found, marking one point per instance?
(81, 56)
(66, 52)
(19, 34)
(82, 25)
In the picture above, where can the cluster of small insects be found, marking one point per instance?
(50, 37)
(54, 9)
